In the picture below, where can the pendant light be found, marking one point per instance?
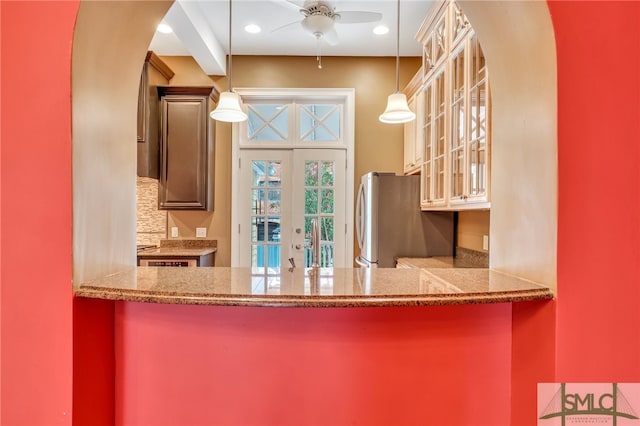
(397, 110)
(229, 108)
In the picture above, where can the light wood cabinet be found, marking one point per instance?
(186, 148)
(456, 115)
(434, 170)
(413, 129)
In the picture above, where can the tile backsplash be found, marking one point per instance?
(151, 222)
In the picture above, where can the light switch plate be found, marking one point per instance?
(174, 232)
(485, 242)
(201, 232)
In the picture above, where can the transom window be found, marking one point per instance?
(292, 122)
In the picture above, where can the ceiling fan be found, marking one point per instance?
(320, 17)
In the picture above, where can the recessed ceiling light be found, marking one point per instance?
(252, 28)
(381, 30)
(164, 28)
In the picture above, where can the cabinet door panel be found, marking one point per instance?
(187, 153)
(184, 153)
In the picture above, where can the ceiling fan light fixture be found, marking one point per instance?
(397, 110)
(229, 108)
(317, 24)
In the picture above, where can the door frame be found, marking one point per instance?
(347, 95)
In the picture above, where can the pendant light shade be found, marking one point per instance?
(229, 107)
(397, 110)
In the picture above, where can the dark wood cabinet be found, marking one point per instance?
(154, 72)
(187, 136)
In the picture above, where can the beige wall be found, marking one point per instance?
(472, 226)
(109, 47)
(377, 146)
(521, 59)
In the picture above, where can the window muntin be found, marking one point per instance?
(285, 122)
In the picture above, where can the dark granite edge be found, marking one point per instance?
(317, 301)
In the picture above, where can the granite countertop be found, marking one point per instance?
(435, 262)
(181, 248)
(324, 287)
(176, 251)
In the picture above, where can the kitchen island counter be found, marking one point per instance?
(324, 287)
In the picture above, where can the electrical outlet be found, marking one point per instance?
(485, 242)
(201, 232)
(174, 232)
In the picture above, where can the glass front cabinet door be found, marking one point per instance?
(455, 116)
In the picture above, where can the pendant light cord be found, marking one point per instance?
(398, 49)
(230, 56)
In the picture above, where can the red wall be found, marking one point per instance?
(195, 365)
(35, 212)
(598, 317)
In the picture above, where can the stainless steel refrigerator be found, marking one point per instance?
(390, 224)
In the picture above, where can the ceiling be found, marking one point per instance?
(201, 30)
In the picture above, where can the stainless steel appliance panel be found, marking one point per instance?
(390, 224)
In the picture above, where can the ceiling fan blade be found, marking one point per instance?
(289, 4)
(331, 37)
(285, 26)
(357, 17)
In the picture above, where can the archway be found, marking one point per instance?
(519, 44)
(109, 44)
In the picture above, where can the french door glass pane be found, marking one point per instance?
(311, 173)
(326, 203)
(310, 201)
(265, 213)
(327, 173)
(319, 204)
(274, 202)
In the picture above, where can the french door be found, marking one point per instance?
(281, 192)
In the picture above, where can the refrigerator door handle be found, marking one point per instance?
(359, 217)
(360, 261)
